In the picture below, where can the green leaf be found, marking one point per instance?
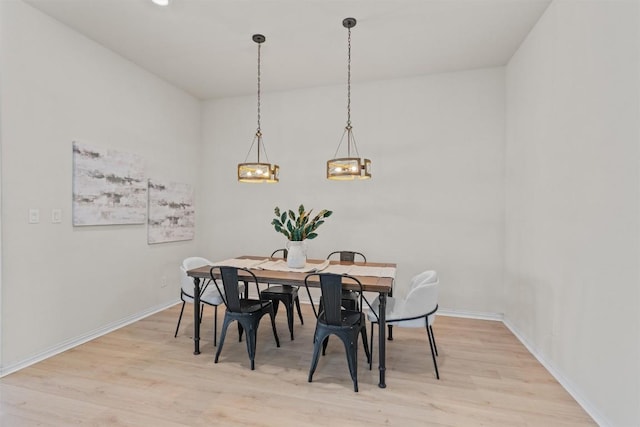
(312, 236)
(308, 229)
(292, 216)
(283, 217)
(277, 211)
(301, 209)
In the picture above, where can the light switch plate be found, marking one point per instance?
(56, 216)
(34, 216)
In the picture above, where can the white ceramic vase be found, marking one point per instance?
(297, 256)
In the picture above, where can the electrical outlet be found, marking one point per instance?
(163, 282)
(34, 216)
(56, 216)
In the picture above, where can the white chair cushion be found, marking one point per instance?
(394, 312)
(422, 299)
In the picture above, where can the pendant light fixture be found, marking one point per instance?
(348, 168)
(259, 171)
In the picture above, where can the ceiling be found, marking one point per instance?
(204, 46)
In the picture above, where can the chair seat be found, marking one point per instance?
(275, 291)
(252, 306)
(209, 296)
(395, 313)
(349, 318)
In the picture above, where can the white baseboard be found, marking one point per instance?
(593, 412)
(74, 342)
(479, 315)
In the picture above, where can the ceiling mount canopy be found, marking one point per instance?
(259, 171)
(352, 166)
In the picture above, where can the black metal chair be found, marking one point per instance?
(285, 293)
(348, 256)
(349, 299)
(246, 311)
(333, 319)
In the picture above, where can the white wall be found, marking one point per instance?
(573, 217)
(61, 283)
(572, 187)
(436, 199)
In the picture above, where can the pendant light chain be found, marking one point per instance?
(348, 128)
(258, 130)
(349, 81)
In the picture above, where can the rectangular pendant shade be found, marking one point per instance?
(258, 172)
(348, 168)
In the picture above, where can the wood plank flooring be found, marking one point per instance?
(141, 375)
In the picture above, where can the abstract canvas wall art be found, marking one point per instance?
(109, 186)
(171, 212)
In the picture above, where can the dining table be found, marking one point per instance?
(375, 277)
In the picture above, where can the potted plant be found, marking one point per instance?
(297, 228)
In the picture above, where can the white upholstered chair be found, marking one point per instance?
(209, 295)
(416, 310)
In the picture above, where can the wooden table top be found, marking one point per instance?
(369, 283)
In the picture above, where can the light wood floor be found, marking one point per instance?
(141, 375)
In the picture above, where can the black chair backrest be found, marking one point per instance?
(284, 251)
(348, 256)
(230, 279)
(331, 298)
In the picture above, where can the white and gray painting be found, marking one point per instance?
(171, 212)
(109, 187)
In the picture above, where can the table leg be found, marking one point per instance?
(381, 335)
(245, 296)
(196, 315)
(390, 327)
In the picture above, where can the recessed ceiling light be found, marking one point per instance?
(161, 2)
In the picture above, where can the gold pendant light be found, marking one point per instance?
(258, 172)
(348, 168)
